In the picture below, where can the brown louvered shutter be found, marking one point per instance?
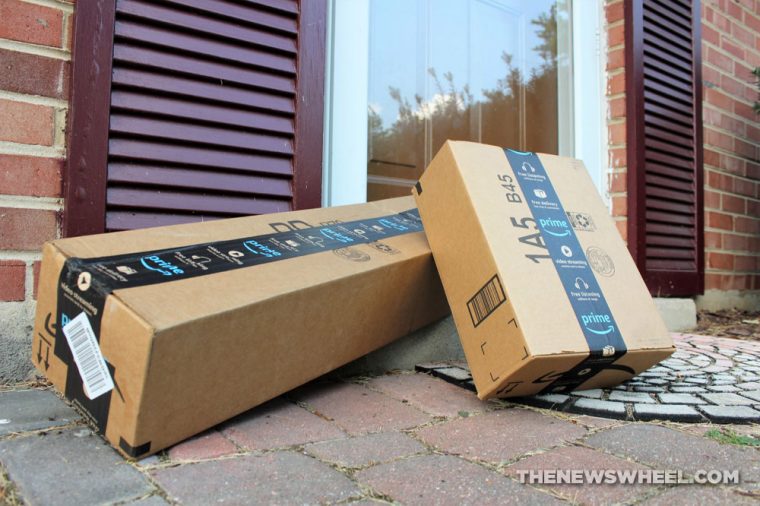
(664, 144)
(215, 110)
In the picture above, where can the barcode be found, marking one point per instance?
(486, 300)
(87, 356)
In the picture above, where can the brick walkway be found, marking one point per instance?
(409, 438)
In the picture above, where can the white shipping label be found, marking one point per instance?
(86, 351)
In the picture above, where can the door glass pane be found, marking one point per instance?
(492, 71)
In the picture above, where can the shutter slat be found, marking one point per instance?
(671, 241)
(652, 142)
(667, 46)
(678, 174)
(655, 180)
(670, 218)
(651, 74)
(129, 220)
(241, 13)
(675, 140)
(234, 53)
(653, 66)
(665, 124)
(652, 17)
(670, 253)
(190, 155)
(189, 132)
(670, 11)
(209, 180)
(150, 80)
(669, 206)
(204, 24)
(192, 110)
(679, 93)
(197, 202)
(656, 32)
(662, 193)
(668, 160)
(671, 265)
(669, 230)
(125, 53)
(284, 6)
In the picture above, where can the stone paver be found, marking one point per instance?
(431, 395)
(704, 370)
(444, 480)
(27, 410)
(728, 414)
(70, 467)
(576, 457)
(500, 436)
(282, 477)
(362, 451)
(209, 445)
(671, 449)
(153, 500)
(688, 495)
(277, 424)
(674, 412)
(359, 410)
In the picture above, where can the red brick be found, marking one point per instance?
(618, 182)
(753, 169)
(710, 76)
(277, 424)
(31, 23)
(26, 123)
(620, 206)
(745, 187)
(718, 139)
(752, 22)
(744, 263)
(738, 282)
(732, 165)
(447, 480)
(26, 229)
(711, 157)
(712, 200)
(753, 132)
(720, 220)
(721, 22)
(616, 133)
(618, 158)
(733, 242)
(756, 282)
(699, 494)
(358, 410)
(616, 84)
(713, 281)
(209, 445)
(734, 11)
(34, 75)
(622, 226)
(36, 278)
(616, 35)
(710, 35)
(366, 450)
(576, 457)
(745, 111)
(30, 175)
(615, 59)
(614, 12)
(753, 207)
(720, 181)
(747, 225)
(528, 431)
(721, 261)
(745, 149)
(720, 60)
(12, 280)
(617, 108)
(713, 240)
(733, 204)
(431, 395)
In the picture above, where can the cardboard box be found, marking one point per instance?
(200, 322)
(545, 296)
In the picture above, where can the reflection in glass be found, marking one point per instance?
(479, 70)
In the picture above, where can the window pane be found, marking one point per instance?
(479, 70)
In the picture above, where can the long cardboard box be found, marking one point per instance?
(197, 323)
(544, 294)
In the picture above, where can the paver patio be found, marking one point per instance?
(406, 437)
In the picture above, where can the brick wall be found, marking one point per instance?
(35, 53)
(730, 49)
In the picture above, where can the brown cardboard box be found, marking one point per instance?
(197, 325)
(545, 296)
